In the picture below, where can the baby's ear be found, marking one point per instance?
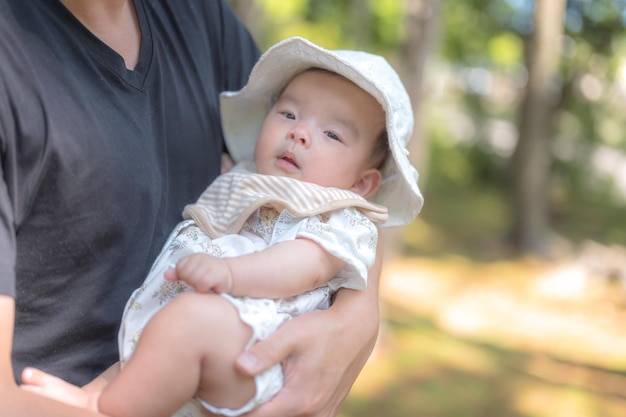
(368, 183)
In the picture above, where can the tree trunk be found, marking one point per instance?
(360, 24)
(421, 28)
(532, 157)
(421, 22)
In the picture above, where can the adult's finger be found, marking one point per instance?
(266, 353)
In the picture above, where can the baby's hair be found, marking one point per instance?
(381, 148)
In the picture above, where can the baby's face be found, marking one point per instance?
(322, 129)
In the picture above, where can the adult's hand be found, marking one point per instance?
(322, 353)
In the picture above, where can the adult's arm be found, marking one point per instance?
(322, 352)
(16, 402)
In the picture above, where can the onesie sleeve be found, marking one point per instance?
(348, 235)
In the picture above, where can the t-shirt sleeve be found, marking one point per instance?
(8, 177)
(233, 47)
(7, 215)
(239, 51)
(348, 235)
(7, 242)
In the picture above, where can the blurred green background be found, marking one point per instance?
(506, 297)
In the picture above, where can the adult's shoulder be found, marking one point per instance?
(213, 18)
(215, 25)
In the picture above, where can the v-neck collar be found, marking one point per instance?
(101, 51)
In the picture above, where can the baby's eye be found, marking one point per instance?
(332, 135)
(288, 115)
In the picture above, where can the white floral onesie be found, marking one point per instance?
(242, 213)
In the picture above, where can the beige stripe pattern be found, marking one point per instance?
(224, 207)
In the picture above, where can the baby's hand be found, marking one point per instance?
(203, 272)
(37, 381)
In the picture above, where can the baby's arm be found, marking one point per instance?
(282, 270)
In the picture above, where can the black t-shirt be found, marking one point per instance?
(97, 163)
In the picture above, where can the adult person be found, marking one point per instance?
(108, 127)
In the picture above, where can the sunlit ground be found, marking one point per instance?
(468, 339)
(471, 331)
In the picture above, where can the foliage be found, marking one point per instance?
(330, 23)
(486, 39)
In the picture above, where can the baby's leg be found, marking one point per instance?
(187, 349)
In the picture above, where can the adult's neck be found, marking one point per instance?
(114, 22)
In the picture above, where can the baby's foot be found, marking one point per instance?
(42, 383)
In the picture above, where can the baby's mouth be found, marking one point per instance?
(288, 159)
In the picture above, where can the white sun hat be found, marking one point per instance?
(244, 111)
